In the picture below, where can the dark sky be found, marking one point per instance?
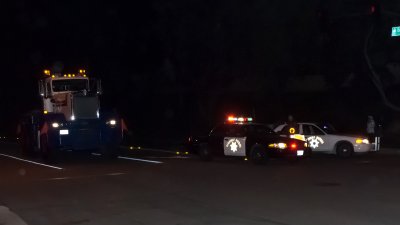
(197, 59)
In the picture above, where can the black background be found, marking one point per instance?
(175, 68)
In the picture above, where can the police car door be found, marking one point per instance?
(235, 141)
(316, 138)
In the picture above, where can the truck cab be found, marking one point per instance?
(70, 118)
(70, 95)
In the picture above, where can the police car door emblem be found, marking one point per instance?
(314, 141)
(234, 146)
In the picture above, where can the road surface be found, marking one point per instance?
(156, 187)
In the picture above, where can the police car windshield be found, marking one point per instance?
(70, 85)
(328, 128)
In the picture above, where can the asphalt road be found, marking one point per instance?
(171, 189)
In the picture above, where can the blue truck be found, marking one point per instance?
(70, 120)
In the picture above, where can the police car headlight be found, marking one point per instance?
(362, 141)
(112, 122)
(55, 125)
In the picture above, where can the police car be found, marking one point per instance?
(240, 137)
(324, 138)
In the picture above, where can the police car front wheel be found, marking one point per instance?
(344, 150)
(258, 155)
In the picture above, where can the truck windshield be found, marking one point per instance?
(70, 85)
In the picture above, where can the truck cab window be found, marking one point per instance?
(70, 85)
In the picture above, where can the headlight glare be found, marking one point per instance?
(362, 141)
(112, 122)
(278, 145)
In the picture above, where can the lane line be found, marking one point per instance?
(60, 178)
(33, 162)
(168, 157)
(150, 150)
(84, 177)
(141, 160)
(133, 159)
(114, 174)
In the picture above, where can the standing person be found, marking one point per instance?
(292, 125)
(290, 120)
(371, 128)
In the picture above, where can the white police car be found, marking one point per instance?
(324, 138)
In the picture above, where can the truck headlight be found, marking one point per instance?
(112, 122)
(55, 125)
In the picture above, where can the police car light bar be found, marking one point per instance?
(239, 119)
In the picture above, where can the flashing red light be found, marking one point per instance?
(239, 119)
(373, 8)
(293, 146)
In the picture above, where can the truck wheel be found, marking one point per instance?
(204, 152)
(258, 155)
(344, 150)
(48, 154)
(109, 152)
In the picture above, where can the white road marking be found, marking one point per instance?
(60, 178)
(151, 150)
(85, 177)
(114, 174)
(141, 160)
(33, 162)
(133, 159)
(168, 157)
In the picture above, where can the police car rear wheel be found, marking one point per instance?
(204, 153)
(258, 155)
(344, 150)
